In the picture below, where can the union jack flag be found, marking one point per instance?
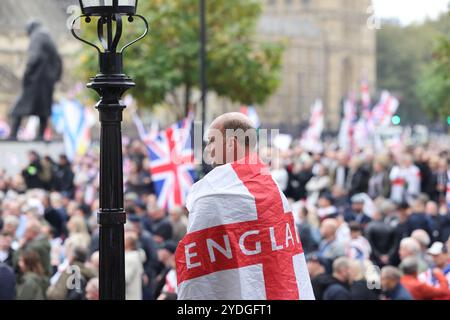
(172, 163)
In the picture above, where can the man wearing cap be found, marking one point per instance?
(439, 253)
(357, 213)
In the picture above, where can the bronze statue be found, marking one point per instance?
(43, 70)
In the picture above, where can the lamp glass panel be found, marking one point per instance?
(107, 3)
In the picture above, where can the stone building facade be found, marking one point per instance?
(331, 47)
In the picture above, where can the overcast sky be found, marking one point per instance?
(410, 10)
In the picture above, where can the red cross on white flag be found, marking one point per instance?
(242, 241)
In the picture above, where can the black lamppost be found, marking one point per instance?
(110, 84)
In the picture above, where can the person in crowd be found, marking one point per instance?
(279, 173)
(405, 180)
(341, 173)
(320, 279)
(309, 234)
(358, 248)
(357, 211)
(134, 267)
(68, 287)
(382, 240)
(77, 226)
(158, 223)
(318, 183)
(178, 220)
(326, 209)
(330, 248)
(92, 290)
(359, 288)
(10, 226)
(139, 180)
(424, 241)
(56, 218)
(391, 285)
(341, 200)
(440, 222)
(379, 184)
(34, 240)
(166, 287)
(358, 181)
(343, 231)
(64, 177)
(6, 251)
(418, 219)
(421, 161)
(7, 281)
(151, 265)
(299, 175)
(339, 289)
(32, 172)
(420, 290)
(410, 247)
(34, 280)
(439, 254)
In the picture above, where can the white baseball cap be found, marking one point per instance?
(437, 248)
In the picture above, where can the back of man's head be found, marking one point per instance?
(239, 125)
(391, 273)
(410, 266)
(341, 266)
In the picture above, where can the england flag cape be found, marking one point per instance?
(242, 242)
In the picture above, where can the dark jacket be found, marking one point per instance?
(337, 291)
(360, 291)
(31, 174)
(56, 220)
(161, 227)
(320, 283)
(309, 243)
(398, 293)
(32, 287)
(361, 217)
(419, 221)
(43, 70)
(296, 184)
(359, 182)
(7, 282)
(64, 179)
(382, 238)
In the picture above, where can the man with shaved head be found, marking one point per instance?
(240, 229)
(230, 138)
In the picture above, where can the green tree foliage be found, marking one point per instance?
(434, 87)
(241, 67)
(404, 55)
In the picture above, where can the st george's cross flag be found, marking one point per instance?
(242, 243)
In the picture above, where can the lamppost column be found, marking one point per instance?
(111, 84)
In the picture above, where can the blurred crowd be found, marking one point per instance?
(372, 225)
